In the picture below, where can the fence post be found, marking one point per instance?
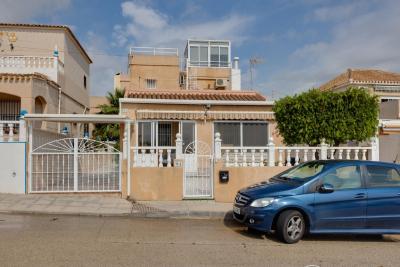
(271, 152)
(125, 145)
(75, 164)
(217, 146)
(324, 150)
(22, 131)
(375, 148)
(178, 144)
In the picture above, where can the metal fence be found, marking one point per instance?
(75, 165)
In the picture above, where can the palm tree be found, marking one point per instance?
(109, 132)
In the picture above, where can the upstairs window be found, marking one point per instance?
(151, 83)
(84, 81)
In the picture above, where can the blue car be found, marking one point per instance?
(331, 196)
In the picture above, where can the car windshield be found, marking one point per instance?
(302, 172)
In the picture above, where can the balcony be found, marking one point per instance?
(49, 66)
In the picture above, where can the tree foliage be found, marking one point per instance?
(339, 117)
(109, 132)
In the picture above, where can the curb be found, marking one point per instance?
(210, 215)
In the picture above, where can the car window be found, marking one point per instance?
(341, 178)
(304, 171)
(382, 176)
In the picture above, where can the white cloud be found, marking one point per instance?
(338, 12)
(368, 40)
(104, 65)
(26, 10)
(149, 27)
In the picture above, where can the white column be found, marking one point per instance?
(253, 157)
(1, 131)
(11, 129)
(236, 164)
(178, 144)
(160, 158)
(244, 157)
(22, 131)
(280, 159)
(375, 148)
(324, 150)
(261, 157)
(227, 158)
(217, 146)
(168, 157)
(288, 152)
(271, 152)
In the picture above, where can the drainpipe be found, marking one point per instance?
(59, 108)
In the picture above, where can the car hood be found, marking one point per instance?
(268, 188)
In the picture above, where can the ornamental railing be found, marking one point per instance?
(272, 155)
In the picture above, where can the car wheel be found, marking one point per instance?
(290, 226)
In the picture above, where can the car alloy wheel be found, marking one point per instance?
(294, 227)
(290, 226)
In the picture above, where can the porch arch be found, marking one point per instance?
(40, 107)
(10, 107)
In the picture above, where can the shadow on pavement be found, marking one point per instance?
(235, 226)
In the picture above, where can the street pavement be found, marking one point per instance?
(50, 240)
(97, 205)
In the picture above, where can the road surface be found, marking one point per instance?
(29, 240)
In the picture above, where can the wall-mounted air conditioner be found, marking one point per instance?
(221, 83)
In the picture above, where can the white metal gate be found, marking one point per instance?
(75, 165)
(198, 171)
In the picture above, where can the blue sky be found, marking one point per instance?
(301, 43)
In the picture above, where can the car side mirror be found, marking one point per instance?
(326, 188)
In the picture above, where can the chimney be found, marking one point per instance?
(236, 63)
(235, 75)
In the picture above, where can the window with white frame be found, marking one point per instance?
(242, 134)
(158, 133)
(209, 53)
(151, 83)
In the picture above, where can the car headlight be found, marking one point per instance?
(262, 202)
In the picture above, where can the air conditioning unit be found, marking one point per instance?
(219, 83)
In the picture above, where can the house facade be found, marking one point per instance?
(195, 133)
(386, 85)
(43, 69)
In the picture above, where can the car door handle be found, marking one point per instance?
(359, 196)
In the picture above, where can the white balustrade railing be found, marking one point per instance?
(245, 156)
(289, 155)
(49, 66)
(154, 156)
(9, 130)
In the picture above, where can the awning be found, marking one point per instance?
(75, 118)
(201, 115)
(389, 126)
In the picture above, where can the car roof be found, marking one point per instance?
(345, 161)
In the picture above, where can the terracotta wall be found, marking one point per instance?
(240, 177)
(164, 69)
(157, 183)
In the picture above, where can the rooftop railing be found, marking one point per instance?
(155, 51)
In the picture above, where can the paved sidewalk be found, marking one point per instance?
(110, 206)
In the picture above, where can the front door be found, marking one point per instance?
(383, 186)
(345, 207)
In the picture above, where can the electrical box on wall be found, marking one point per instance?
(223, 176)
